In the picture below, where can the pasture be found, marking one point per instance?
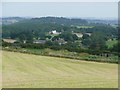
(84, 26)
(111, 43)
(34, 71)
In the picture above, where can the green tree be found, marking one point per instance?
(96, 41)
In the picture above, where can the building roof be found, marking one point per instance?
(9, 40)
(39, 41)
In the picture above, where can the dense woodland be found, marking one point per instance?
(58, 33)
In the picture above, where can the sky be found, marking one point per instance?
(60, 0)
(62, 9)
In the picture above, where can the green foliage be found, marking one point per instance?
(116, 48)
(40, 28)
(68, 36)
(110, 43)
(73, 47)
(96, 41)
(107, 30)
(85, 36)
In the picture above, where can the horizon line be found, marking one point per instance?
(59, 16)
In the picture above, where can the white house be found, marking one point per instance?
(54, 32)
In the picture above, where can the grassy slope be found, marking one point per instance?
(24, 70)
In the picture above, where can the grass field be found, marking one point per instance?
(111, 43)
(33, 71)
(85, 26)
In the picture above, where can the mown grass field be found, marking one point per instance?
(34, 71)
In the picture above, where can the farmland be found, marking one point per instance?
(85, 26)
(29, 71)
(111, 43)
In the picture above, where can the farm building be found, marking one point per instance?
(54, 32)
(61, 41)
(9, 40)
(39, 41)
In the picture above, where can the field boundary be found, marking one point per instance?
(92, 60)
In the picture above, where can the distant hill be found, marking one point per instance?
(39, 25)
(11, 20)
(111, 21)
(36, 27)
(60, 20)
(53, 20)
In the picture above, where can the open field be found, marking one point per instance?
(33, 71)
(85, 26)
(111, 43)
